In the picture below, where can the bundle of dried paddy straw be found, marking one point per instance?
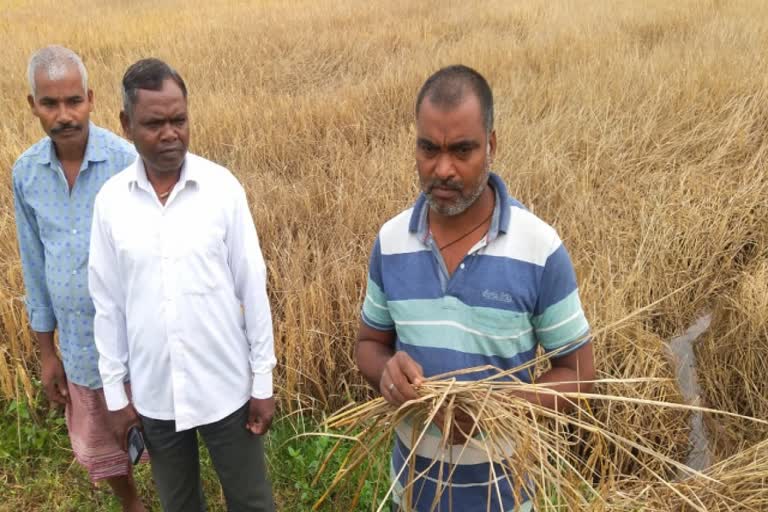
(538, 449)
(739, 482)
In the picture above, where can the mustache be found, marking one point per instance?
(447, 184)
(68, 126)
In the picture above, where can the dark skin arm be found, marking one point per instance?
(569, 372)
(52, 371)
(384, 368)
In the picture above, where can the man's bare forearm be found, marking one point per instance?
(371, 357)
(46, 344)
(564, 380)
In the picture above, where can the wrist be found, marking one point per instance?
(115, 396)
(48, 355)
(261, 387)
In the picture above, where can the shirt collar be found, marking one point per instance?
(94, 148)
(189, 174)
(46, 154)
(499, 220)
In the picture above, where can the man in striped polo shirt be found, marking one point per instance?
(466, 277)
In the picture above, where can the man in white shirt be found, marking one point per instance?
(179, 285)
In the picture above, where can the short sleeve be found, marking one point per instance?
(559, 319)
(375, 309)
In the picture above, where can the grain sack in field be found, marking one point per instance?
(621, 357)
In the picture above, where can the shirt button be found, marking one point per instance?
(461, 266)
(74, 231)
(74, 272)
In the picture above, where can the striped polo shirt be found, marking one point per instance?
(513, 291)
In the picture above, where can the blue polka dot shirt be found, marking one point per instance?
(54, 227)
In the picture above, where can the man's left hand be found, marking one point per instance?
(260, 412)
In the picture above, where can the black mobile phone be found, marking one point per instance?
(135, 444)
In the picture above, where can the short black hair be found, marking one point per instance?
(449, 86)
(148, 74)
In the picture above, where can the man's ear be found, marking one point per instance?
(31, 101)
(125, 122)
(492, 146)
(90, 100)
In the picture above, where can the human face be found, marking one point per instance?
(453, 155)
(158, 125)
(63, 107)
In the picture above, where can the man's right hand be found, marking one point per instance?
(400, 378)
(54, 380)
(121, 422)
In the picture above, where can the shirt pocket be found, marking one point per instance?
(501, 327)
(487, 320)
(201, 264)
(136, 246)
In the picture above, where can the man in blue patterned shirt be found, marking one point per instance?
(54, 186)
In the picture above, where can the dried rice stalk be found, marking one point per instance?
(544, 459)
(741, 485)
(732, 361)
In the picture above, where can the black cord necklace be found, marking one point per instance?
(465, 235)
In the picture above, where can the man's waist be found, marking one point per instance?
(429, 444)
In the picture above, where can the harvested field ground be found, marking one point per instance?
(638, 129)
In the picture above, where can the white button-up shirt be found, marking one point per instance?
(180, 296)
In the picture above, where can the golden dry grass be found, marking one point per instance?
(546, 459)
(638, 129)
(737, 483)
(737, 353)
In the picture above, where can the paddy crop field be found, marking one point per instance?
(639, 129)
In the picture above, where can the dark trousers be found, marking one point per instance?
(238, 457)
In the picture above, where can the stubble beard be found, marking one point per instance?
(463, 202)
